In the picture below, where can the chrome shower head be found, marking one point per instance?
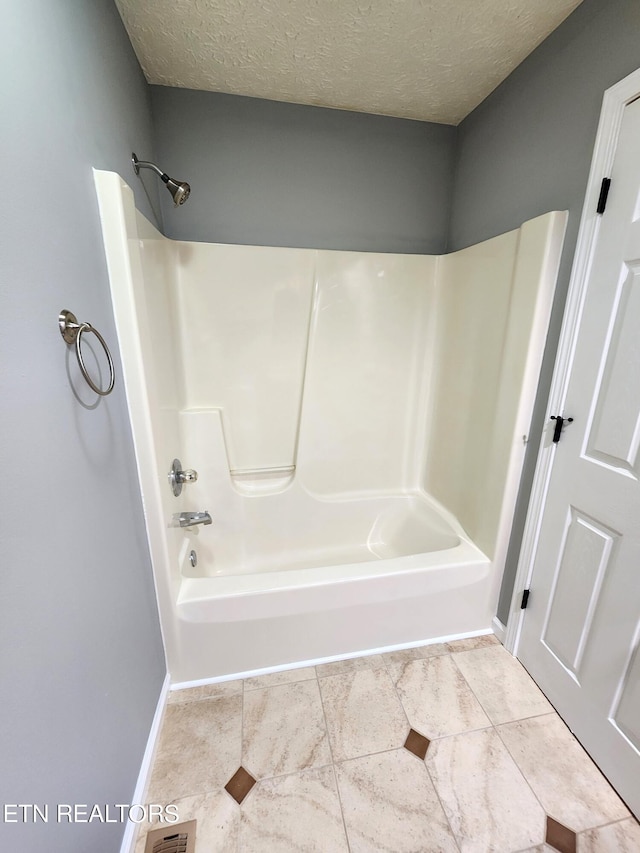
(179, 190)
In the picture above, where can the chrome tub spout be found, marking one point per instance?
(189, 519)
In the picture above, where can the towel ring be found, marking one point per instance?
(72, 332)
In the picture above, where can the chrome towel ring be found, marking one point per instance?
(72, 332)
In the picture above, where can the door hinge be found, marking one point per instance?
(525, 599)
(604, 192)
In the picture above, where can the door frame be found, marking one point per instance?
(614, 101)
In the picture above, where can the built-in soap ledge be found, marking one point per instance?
(261, 481)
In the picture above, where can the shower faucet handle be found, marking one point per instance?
(179, 478)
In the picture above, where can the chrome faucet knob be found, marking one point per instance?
(178, 478)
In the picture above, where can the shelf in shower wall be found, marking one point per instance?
(257, 481)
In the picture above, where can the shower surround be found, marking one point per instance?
(358, 424)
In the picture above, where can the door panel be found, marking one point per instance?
(627, 715)
(579, 576)
(615, 433)
(581, 629)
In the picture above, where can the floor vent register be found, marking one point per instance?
(180, 838)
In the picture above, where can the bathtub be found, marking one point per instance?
(300, 555)
(358, 423)
(354, 576)
(285, 575)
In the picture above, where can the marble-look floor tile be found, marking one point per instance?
(396, 661)
(568, 784)
(206, 691)
(389, 804)
(471, 643)
(218, 822)
(621, 837)
(299, 813)
(198, 750)
(273, 679)
(437, 699)
(489, 805)
(284, 729)
(504, 688)
(363, 713)
(337, 667)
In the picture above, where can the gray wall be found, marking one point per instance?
(268, 173)
(527, 149)
(82, 662)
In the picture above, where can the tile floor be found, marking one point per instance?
(448, 747)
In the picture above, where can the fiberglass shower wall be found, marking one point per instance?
(493, 312)
(318, 362)
(369, 374)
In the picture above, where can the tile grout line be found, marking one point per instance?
(437, 793)
(423, 760)
(241, 821)
(281, 684)
(265, 778)
(398, 697)
(289, 773)
(630, 816)
(494, 727)
(333, 765)
(473, 692)
(242, 818)
(521, 772)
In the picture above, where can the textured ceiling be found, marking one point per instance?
(433, 60)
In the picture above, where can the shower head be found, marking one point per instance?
(179, 189)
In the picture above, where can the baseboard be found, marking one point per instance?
(142, 785)
(499, 629)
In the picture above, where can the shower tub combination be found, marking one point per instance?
(357, 422)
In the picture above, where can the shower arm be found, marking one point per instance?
(146, 164)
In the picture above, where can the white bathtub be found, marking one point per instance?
(298, 554)
(371, 574)
(293, 577)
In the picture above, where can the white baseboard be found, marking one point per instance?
(498, 629)
(140, 792)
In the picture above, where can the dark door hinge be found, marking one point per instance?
(604, 192)
(525, 599)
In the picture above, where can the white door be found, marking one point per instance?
(581, 627)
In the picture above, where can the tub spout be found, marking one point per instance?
(188, 519)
